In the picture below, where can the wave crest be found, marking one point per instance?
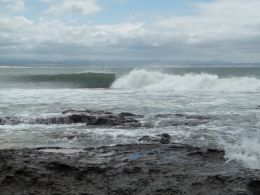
(153, 80)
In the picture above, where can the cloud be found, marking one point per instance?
(18, 5)
(27, 37)
(86, 7)
(220, 20)
(220, 30)
(13, 5)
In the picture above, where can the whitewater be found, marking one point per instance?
(229, 96)
(157, 81)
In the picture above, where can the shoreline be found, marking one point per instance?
(155, 165)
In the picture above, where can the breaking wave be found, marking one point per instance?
(153, 80)
(247, 152)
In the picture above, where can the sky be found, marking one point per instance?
(199, 30)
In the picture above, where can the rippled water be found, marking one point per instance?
(231, 101)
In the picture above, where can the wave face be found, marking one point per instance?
(81, 80)
(153, 80)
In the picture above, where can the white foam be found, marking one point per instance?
(6, 66)
(63, 151)
(158, 81)
(247, 152)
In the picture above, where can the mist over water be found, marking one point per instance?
(230, 96)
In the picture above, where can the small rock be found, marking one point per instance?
(165, 138)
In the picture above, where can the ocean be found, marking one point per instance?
(230, 97)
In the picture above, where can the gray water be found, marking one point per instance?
(229, 95)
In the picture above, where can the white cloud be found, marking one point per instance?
(18, 6)
(218, 21)
(221, 29)
(85, 7)
(12, 5)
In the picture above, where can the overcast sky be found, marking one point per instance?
(130, 29)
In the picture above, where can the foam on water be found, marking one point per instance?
(235, 115)
(153, 80)
(247, 152)
(63, 151)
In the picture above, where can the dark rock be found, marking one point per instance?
(254, 187)
(60, 167)
(69, 111)
(147, 138)
(166, 123)
(125, 169)
(9, 121)
(198, 117)
(164, 141)
(180, 115)
(112, 120)
(105, 118)
(75, 118)
(163, 138)
(165, 135)
(93, 118)
(127, 114)
(164, 115)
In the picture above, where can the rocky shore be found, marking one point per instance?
(154, 165)
(124, 169)
(109, 119)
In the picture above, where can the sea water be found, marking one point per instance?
(231, 97)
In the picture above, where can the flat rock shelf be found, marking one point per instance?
(124, 169)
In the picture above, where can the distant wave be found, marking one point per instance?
(81, 80)
(153, 80)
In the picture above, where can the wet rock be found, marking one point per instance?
(165, 135)
(75, 118)
(93, 118)
(9, 121)
(148, 138)
(192, 122)
(112, 120)
(164, 115)
(71, 111)
(128, 114)
(163, 138)
(106, 118)
(254, 187)
(125, 169)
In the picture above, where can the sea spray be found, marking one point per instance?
(246, 151)
(158, 81)
(234, 116)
